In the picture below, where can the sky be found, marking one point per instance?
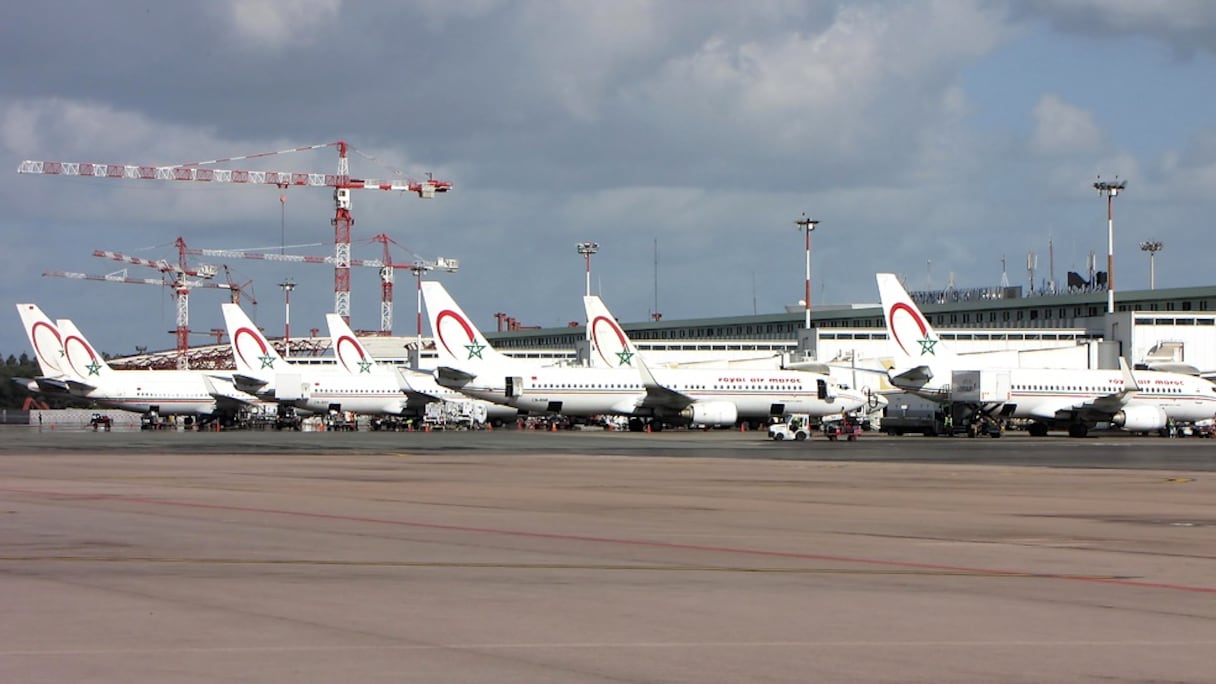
(930, 138)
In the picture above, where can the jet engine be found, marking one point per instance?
(1140, 418)
(711, 413)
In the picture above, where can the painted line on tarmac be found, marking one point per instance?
(643, 645)
(988, 572)
(448, 565)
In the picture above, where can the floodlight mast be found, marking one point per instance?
(288, 285)
(807, 225)
(587, 249)
(1110, 189)
(1152, 247)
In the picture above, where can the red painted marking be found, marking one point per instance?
(446, 313)
(625, 542)
(348, 340)
(236, 343)
(920, 322)
(595, 334)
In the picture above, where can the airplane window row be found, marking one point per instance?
(1089, 388)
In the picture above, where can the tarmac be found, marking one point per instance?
(604, 557)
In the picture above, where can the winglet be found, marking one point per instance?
(1129, 379)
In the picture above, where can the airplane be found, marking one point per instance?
(648, 396)
(73, 366)
(359, 385)
(611, 347)
(1071, 398)
(420, 387)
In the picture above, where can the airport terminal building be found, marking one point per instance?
(1176, 325)
(1071, 328)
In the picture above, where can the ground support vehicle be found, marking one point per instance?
(796, 427)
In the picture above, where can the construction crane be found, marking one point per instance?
(181, 288)
(341, 182)
(296, 259)
(418, 266)
(386, 265)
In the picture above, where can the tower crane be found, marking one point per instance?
(181, 288)
(341, 182)
(418, 266)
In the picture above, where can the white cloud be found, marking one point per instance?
(1061, 128)
(272, 24)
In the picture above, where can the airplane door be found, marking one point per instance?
(514, 387)
(822, 388)
(1002, 387)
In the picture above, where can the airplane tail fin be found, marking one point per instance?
(611, 347)
(457, 341)
(913, 339)
(251, 351)
(83, 363)
(350, 353)
(44, 337)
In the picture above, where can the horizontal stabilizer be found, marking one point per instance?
(452, 377)
(1174, 367)
(43, 385)
(810, 366)
(913, 376)
(77, 387)
(249, 383)
(225, 390)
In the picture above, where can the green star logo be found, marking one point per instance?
(365, 366)
(94, 368)
(926, 346)
(267, 361)
(624, 358)
(475, 350)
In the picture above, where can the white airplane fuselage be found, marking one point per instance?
(169, 392)
(317, 390)
(1042, 393)
(594, 391)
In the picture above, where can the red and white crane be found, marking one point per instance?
(173, 278)
(418, 266)
(341, 182)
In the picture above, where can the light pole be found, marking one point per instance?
(288, 285)
(807, 225)
(1152, 247)
(418, 268)
(587, 249)
(1110, 189)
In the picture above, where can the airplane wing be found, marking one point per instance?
(1100, 408)
(413, 395)
(659, 395)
